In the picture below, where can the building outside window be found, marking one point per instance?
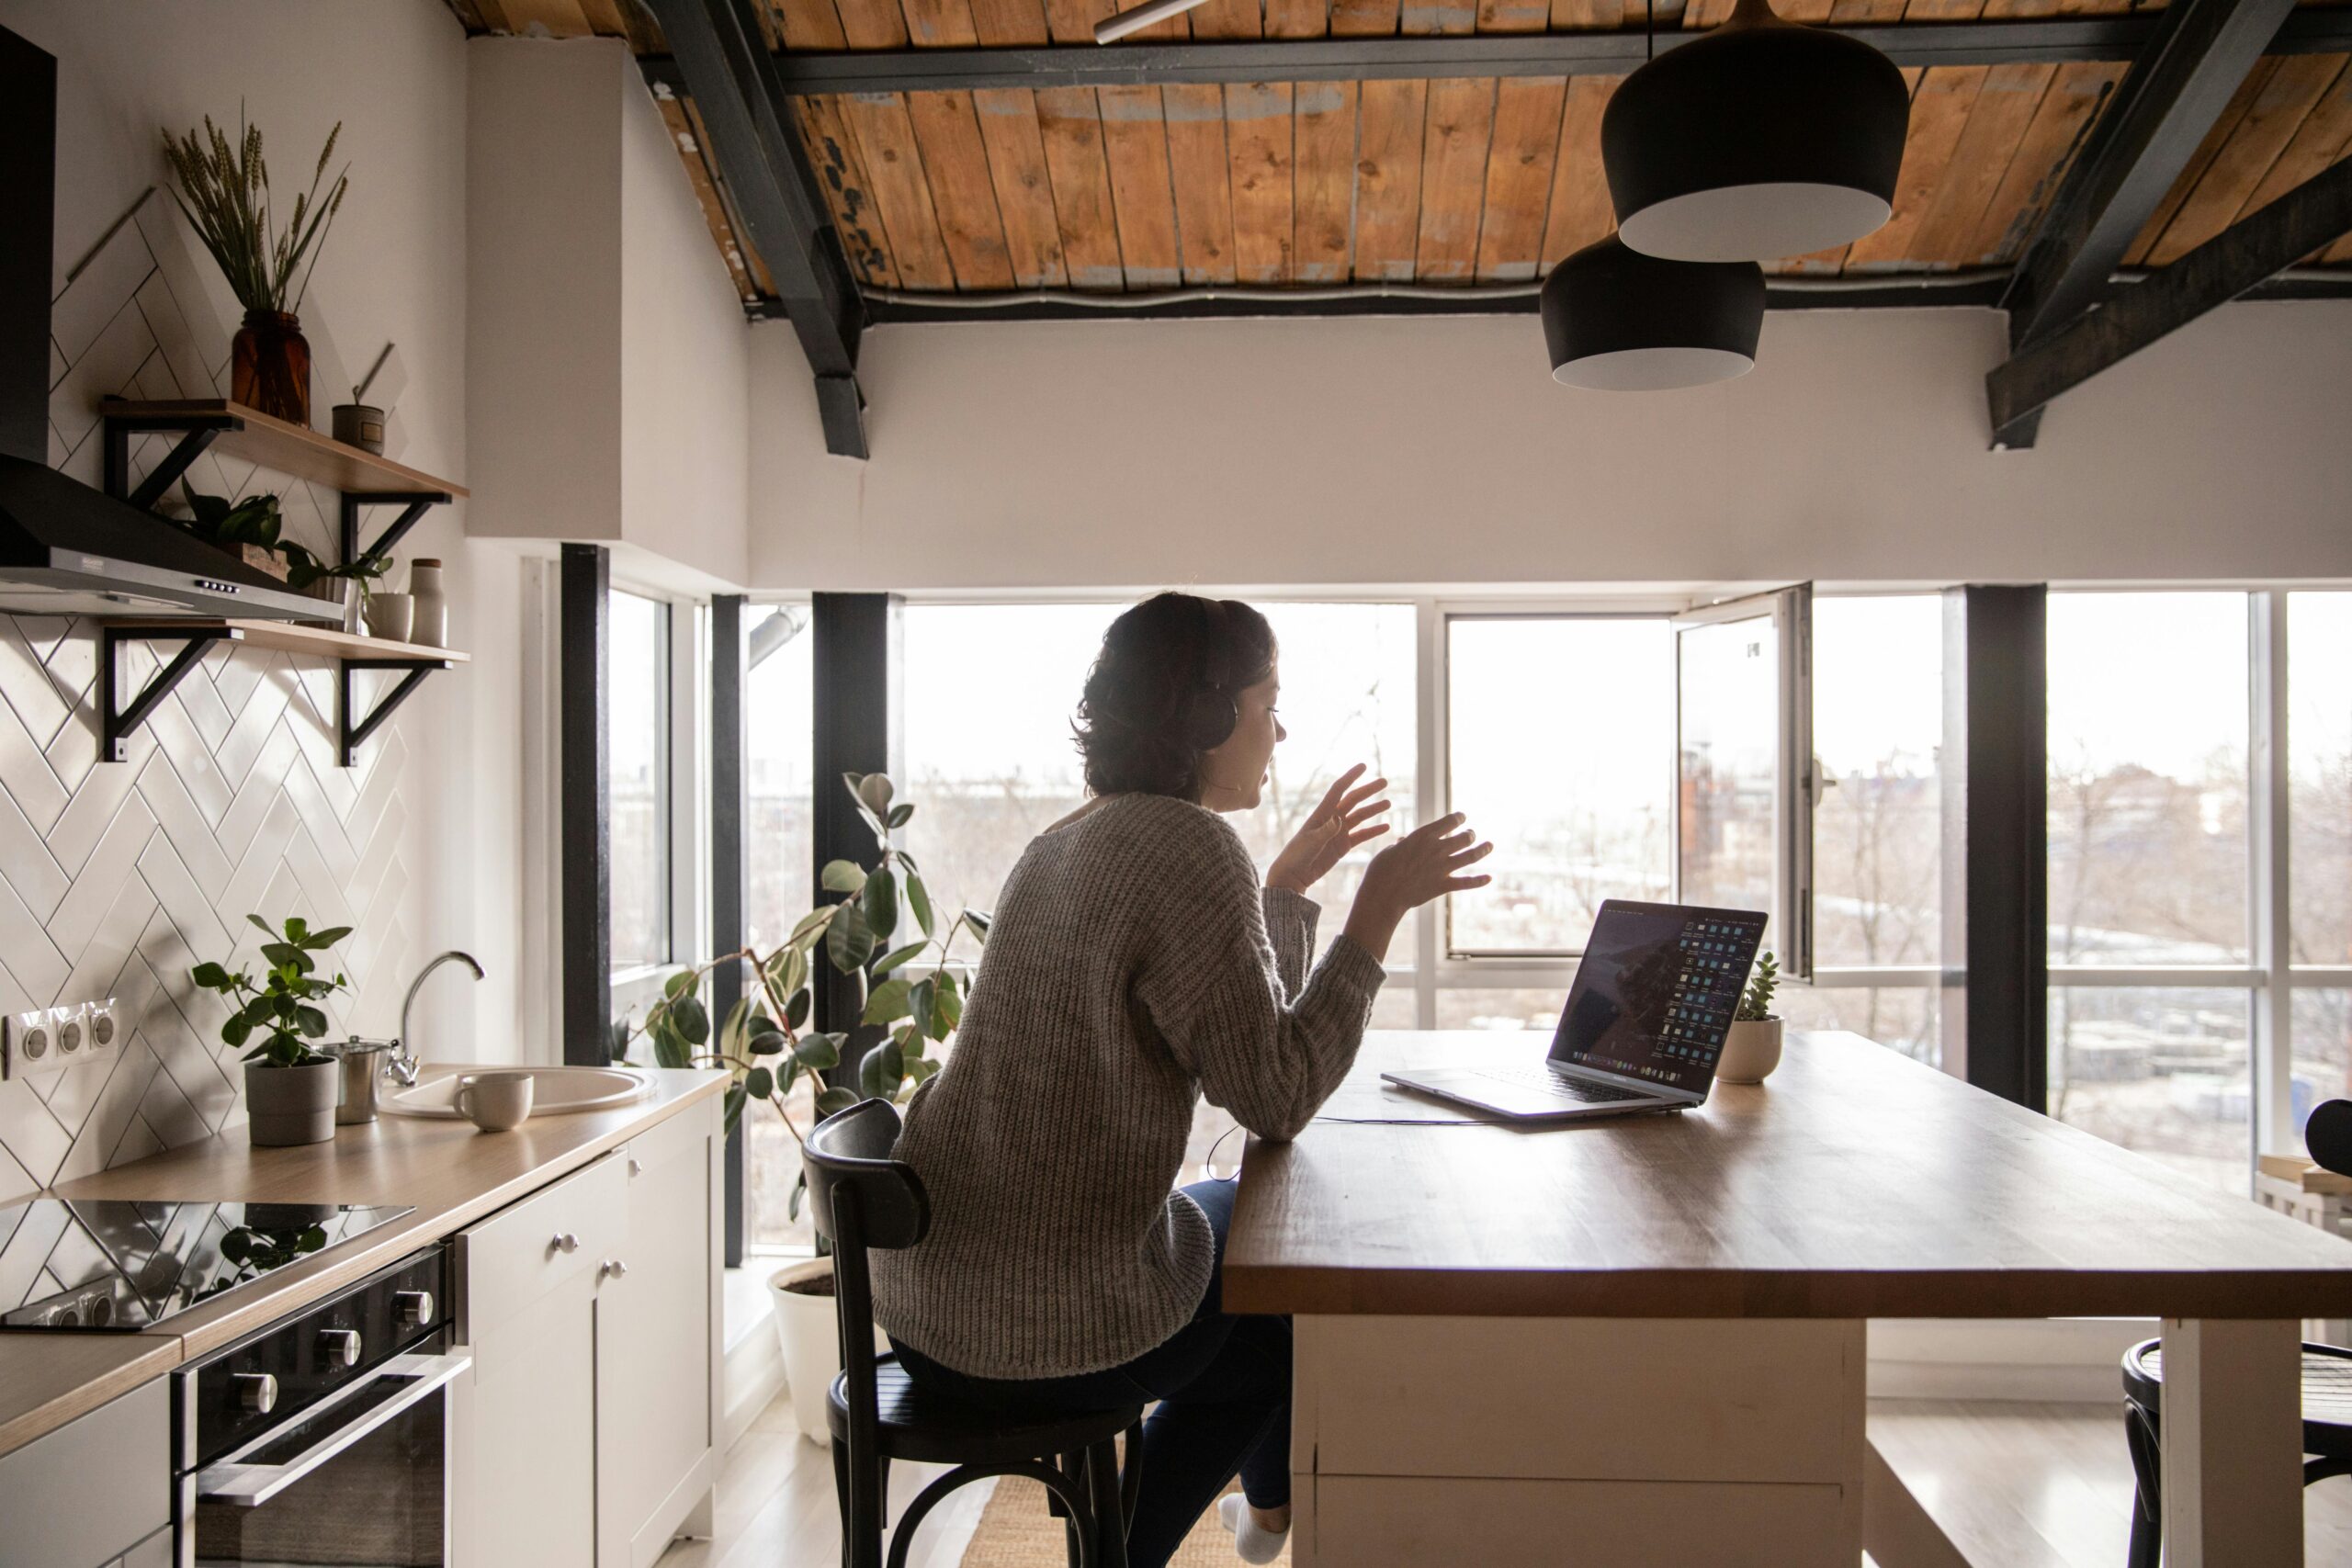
(779, 882)
(639, 717)
(2319, 773)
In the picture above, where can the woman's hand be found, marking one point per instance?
(1430, 860)
(1344, 820)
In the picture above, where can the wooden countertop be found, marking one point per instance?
(446, 1172)
(1853, 1183)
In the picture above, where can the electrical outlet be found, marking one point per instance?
(56, 1037)
(68, 1030)
(102, 1024)
(26, 1042)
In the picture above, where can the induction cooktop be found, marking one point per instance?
(118, 1264)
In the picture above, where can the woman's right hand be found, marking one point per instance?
(1432, 859)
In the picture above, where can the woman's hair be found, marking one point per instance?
(1166, 689)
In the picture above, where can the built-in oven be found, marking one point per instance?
(324, 1437)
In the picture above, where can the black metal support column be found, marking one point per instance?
(586, 838)
(2003, 686)
(858, 725)
(727, 855)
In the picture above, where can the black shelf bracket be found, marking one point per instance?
(349, 734)
(412, 504)
(117, 722)
(197, 435)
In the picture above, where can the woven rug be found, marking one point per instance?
(1015, 1531)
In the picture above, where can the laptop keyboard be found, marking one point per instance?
(1565, 1087)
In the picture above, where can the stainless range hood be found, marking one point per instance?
(64, 548)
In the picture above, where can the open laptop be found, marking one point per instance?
(1652, 999)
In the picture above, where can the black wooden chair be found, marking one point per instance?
(861, 1197)
(2327, 1432)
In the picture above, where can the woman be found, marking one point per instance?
(1135, 963)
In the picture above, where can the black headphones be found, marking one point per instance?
(1211, 712)
(2328, 1136)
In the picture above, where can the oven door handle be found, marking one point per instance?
(250, 1486)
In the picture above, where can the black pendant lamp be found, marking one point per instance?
(1759, 140)
(1620, 321)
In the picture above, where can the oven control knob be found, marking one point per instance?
(257, 1393)
(412, 1309)
(340, 1345)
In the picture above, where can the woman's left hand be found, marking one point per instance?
(1343, 820)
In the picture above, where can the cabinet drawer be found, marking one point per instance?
(529, 1248)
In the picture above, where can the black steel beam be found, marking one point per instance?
(2178, 87)
(2053, 40)
(727, 857)
(858, 720)
(2315, 214)
(586, 841)
(722, 61)
(2004, 687)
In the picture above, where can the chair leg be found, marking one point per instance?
(841, 1498)
(2322, 1468)
(1074, 1544)
(2146, 1550)
(1102, 1496)
(861, 1519)
(1131, 1473)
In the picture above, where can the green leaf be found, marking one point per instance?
(736, 1032)
(880, 901)
(236, 1032)
(262, 926)
(297, 928)
(834, 1101)
(735, 1097)
(261, 1010)
(678, 984)
(211, 976)
(841, 876)
(788, 970)
(848, 941)
(979, 920)
(767, 1044)
(882, 1070)
(820, 1053)
(900, 813)
(922, 1002)
(670, 1048)
(804, 930)
(312, 1022)
(872, 792)
(692, 1022)
(286, 955)
(920, 898)
(919, 1068)
(787, 1073)
(799, 1190)
(889, 1001)
(759, 1083)
(948, 1012)
(795, 1006)
(899, 957)
(326, 938)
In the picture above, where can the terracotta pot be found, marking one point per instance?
(269, 366)
(1751, 1049)
(292, 1105)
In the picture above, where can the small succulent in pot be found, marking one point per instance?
(292, 1088)
(1752, 1043)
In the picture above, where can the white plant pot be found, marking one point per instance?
(812, 1346)
(1751, 1049)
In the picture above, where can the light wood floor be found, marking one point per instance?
(2012, 1485)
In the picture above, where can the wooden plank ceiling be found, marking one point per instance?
(1439, 182)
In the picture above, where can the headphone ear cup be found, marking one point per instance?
(1210, 717)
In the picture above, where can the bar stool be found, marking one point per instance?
(861, 1197)
(2327, 1432)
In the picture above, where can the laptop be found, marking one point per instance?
(1645, 1020)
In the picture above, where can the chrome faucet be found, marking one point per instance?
(400, 1062)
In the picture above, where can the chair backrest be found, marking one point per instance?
(860, 1197)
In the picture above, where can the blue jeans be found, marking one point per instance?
(1223, 1387)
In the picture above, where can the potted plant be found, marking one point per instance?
(291, 1090)
(1752, 1045)
(252, 528)
(908, 997)
(224, 192)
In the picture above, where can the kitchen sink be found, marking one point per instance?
(557, 1091)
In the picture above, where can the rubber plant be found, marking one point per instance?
(906, 988)
(284, 1007)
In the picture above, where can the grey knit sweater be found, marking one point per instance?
(1134, 964)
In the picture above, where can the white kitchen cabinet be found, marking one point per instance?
(96, 1492)
(585, 1432)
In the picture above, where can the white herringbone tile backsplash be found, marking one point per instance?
(117, 878)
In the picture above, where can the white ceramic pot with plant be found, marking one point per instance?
(291, 1089)
(1752, 1047)
(913, 998)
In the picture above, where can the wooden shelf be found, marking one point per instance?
(292, 637)
(286, 448)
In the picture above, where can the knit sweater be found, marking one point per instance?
(1134, 965)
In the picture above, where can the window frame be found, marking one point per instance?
(681, 786)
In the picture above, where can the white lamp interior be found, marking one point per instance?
(1652, 369)
(1754, 222)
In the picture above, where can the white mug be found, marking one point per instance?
(495, 1102)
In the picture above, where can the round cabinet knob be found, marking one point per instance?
(257, 1393)
(565, 1242)
(340, 1345)
(635, 1168)
(412, 1309)
(614, 1268)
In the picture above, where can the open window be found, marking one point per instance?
(1743, 773)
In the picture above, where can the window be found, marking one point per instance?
(2149, 723)
(2319, 746)
(779, 883)
(639, 719)
(1560, 748)
(2323, 1070)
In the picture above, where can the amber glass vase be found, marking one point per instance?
(270, 366)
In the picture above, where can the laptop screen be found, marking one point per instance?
(1655, 993)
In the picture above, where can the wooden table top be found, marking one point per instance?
(1852, 1183)
(448, 1172)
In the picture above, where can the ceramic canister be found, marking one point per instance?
(429, 625)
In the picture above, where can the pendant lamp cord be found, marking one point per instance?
(1649, 30)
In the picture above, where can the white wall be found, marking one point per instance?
(609, 352)
(393, 270)
(1438, 451)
